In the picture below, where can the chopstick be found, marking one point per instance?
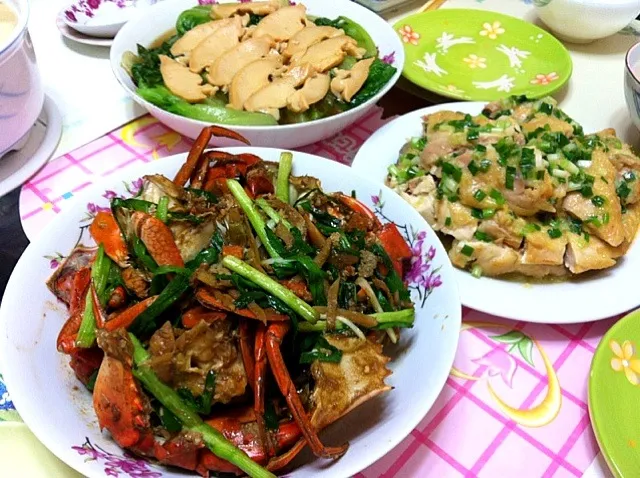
(431, 5)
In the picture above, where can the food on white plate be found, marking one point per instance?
(259, 63)
(225, 317)
(8, 21)
(522, 190)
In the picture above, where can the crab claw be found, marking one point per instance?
(106, 231)
(118, 403)
(275, 335)
(195, 157)
(157, 238)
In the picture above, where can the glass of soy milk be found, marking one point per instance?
(21, 92)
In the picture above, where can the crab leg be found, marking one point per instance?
(192, 317)
(124, 319)
(246, 351)
(66, 341)
(275, 335)
(279, 462)
(190, 165)
(207, 299)
(157, 238)
(260, 377)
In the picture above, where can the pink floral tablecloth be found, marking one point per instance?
(515, 403)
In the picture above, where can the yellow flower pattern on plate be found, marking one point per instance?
(409, 35)
(475, 61)
(492, 30)
(541, 79)
(624, 360)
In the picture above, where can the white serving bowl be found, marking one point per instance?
(141, 30)
(632, 83)
(21, 92)
(583, 21)
(102, 19)
(59, 411)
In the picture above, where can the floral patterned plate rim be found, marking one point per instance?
(614, 391)
(30, 320)
(562, 302)
(480, 55)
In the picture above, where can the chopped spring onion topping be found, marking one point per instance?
(554, 233)
(584, 164)
(476, 271)
(483, 236)
(467, 250)
(497, 197)
(479, 195)
(510, 177)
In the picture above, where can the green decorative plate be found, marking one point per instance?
(614, 394)
(479, 55)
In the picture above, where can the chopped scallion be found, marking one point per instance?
(467, 250)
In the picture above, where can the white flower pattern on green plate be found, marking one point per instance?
(483, 55)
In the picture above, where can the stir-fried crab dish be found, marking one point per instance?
(521, 189)
(259, 63)
(225, 317)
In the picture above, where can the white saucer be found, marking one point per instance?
(68, 32)
(17, 167)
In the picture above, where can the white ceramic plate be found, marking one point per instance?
(101, 19)
(16, 167)
(74, 35)
(64, 421)
(560, 303)
(140, 30)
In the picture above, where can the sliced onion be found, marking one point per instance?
(352, 326)
(366, 287)
(392, 336)
(584, 163)
(553, 157)
(559, 173)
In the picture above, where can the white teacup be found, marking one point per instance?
(583, 21)
(632, 83)
(21, 91)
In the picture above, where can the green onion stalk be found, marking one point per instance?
(386, 320)
(272, 213)
(170, 399)
(268, 284)
(284, 171)
(99, 275)
(252, 213)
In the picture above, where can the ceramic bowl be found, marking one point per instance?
(21, 92)
(632, 83)
(101, 18)
(142, 31)
(583, 21)
(65, 421)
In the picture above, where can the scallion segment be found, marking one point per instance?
(404, 318)
(269, 285)
(162, 211)
(252, 213)
(99, 275)
(170, 399)
(284, 171)
(467, 250)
